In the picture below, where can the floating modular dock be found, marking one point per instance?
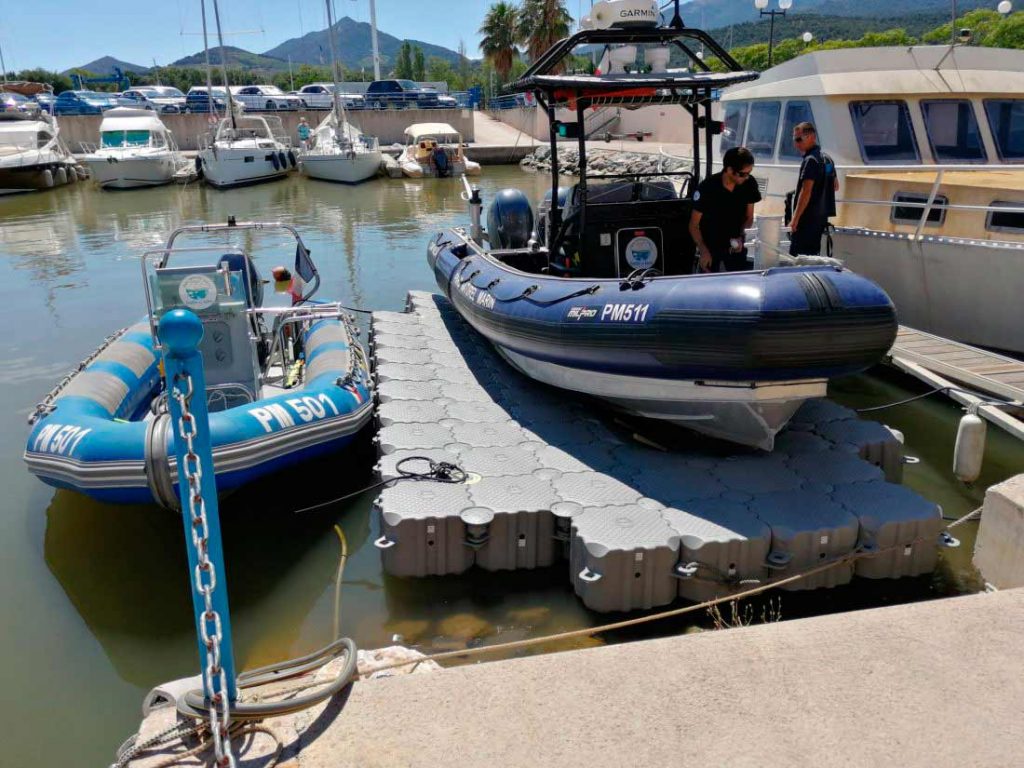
(638, 527)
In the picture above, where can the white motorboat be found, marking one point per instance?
(136, 150)
(435, 150)
(32, 156)
(245, 149)
(928, 143)
(339, 151)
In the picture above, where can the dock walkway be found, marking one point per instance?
(942, 362)
(640, 527)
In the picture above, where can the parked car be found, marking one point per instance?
(15, 102)
(198, 100)
(320, 96)
(264, 97)
(83, 103)
(152, 99)
(45, 100)
(399, 94)
(443, 99)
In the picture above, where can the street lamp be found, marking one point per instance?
(784, 5)
(1005, 7)
(807, 37)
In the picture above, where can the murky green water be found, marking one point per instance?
(97, 598)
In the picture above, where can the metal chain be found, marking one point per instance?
(205, 578)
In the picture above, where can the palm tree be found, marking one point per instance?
(541, 24)
(499, 37)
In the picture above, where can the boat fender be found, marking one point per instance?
(283, 160)
(969, 450)
(275, 162)
(61, 176)
(47, 178)
(444, 168)
(72, 175)
(291, 158)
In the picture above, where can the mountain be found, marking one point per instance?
(354, 47)
(712, 14)
(237, 58)
(825, 27)
(105, 66)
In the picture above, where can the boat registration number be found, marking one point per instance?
(59, 439)
(299, 410)
(610, 313)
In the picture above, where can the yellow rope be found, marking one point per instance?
(337, 580)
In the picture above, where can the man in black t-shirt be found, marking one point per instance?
(723, 207)
(816, 189)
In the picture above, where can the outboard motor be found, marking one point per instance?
(545, 207)
(509, 220)
(444, 168)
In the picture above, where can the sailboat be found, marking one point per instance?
(245, 149)
(338, 150)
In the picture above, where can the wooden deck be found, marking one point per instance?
(940, 362)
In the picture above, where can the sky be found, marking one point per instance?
(60, 34)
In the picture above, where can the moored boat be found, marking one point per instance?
(434, 150)
(32, 156)
(136, 150)
(284, 383)
(603, 298)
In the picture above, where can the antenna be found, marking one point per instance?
(677, 19)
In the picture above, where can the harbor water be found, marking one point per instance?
(97, 597)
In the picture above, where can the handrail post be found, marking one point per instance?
(180, 332)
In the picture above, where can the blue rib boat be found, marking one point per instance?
(284, 383)
(602, 297)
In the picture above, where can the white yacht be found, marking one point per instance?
(32, 156)
(434, 149)
(136, 150)
(928, 143)
(339, 151)
(245, 149)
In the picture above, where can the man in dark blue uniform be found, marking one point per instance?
(723, 207)
(816, 189)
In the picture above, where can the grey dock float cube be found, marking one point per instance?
(871, 441)
(808, 529)
(903, 526)
(422, 531)
(621, 558)
(723, 548)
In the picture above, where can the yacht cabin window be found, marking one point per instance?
(762, 128)
(125, 138)
(1006, 221)
(796, 112)
(912, 213)
(953, 131)
(1006, 119)
(735, 124)
(884, 131)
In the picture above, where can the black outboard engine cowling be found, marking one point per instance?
(510, 220)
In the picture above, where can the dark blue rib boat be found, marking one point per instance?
(602, 298)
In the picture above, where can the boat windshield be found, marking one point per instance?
(125, 138)
(22, 136)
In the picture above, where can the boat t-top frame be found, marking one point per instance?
(695, 90)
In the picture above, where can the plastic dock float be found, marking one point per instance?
(549, 483)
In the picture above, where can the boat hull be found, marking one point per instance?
(935, 289)
(226, 168)
(729, 355)
(98, 440)
(341, 168)
(131, 173)
(32, 178)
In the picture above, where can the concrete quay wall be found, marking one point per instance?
(668, 124)
(387, 125)
(998, 550)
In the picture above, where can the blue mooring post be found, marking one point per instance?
(180, 332)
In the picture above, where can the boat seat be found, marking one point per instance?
(617, 215)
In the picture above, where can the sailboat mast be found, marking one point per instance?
(373, 39)
(224, 64)
(206, 52)
(334, 68)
